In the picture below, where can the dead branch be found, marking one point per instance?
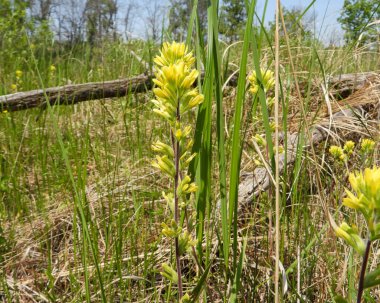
(348, 112)
(75, 93)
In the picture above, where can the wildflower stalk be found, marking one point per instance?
(176, 96)
(177, 154)
(364, 199)
(363, 270)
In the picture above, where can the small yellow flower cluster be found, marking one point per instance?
(169, 273)
(267, 81)
(18, 74)
(366, 185)
(351, 236)
(337, 153)
(173, 53)
(15, 86)
(349, 147)
(260, 140)
(174, 93)
(342, 154)
(367, 146)
(52, 70)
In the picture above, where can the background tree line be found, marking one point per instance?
(70, 22)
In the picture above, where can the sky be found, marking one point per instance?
(326, 12)
(327, 27)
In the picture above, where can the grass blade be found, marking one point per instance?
(236, 138)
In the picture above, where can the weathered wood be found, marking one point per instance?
(75, 93)
(253, 183)
(345, 84)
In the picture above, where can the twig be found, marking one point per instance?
(363, 270)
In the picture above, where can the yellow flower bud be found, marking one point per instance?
(267, 80)
(185, 299)
(169, 273)
(163, 148)
(348, 234)
(165, 165)
(172, 53)
(337, 152)
(18, 73)
(260, 140)
(14, 87)
(185, 242)
(349, 147)
(367, 145)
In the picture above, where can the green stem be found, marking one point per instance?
(362, 272)
(177, 155)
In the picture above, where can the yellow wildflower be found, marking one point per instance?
(349, 147)
(351, 236)
(18, 73)
(367, 199)
(52, 68)
(169, 273)
(337, 152)
(185, 299)
(174, 82)
(267, 80)
(367, 145)
(163, 148)
(260, 140)
(173, 53)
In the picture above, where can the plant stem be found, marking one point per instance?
(362, 272)
(177, 155)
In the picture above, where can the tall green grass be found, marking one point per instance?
(80, 207)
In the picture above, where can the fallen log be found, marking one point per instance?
(351, 111)
(75, 93)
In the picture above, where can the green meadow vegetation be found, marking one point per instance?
(137, 198)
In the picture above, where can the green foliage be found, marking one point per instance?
(372, 279)
(233, 17)
(14, 23)
(100, 16)
(179, 16)
(356, 15)
(298, 27)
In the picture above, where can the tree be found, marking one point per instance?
(129, 19)
(154, 20)
(179, 15)
(42, 9)
(14, 24)
(356, 15)
(232, 20)
(299, 27)
(101, 19)
(71, 21)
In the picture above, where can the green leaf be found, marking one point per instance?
(237, 280)
(340, 299)
(372, 279)
(200, 285)
(237, 137)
